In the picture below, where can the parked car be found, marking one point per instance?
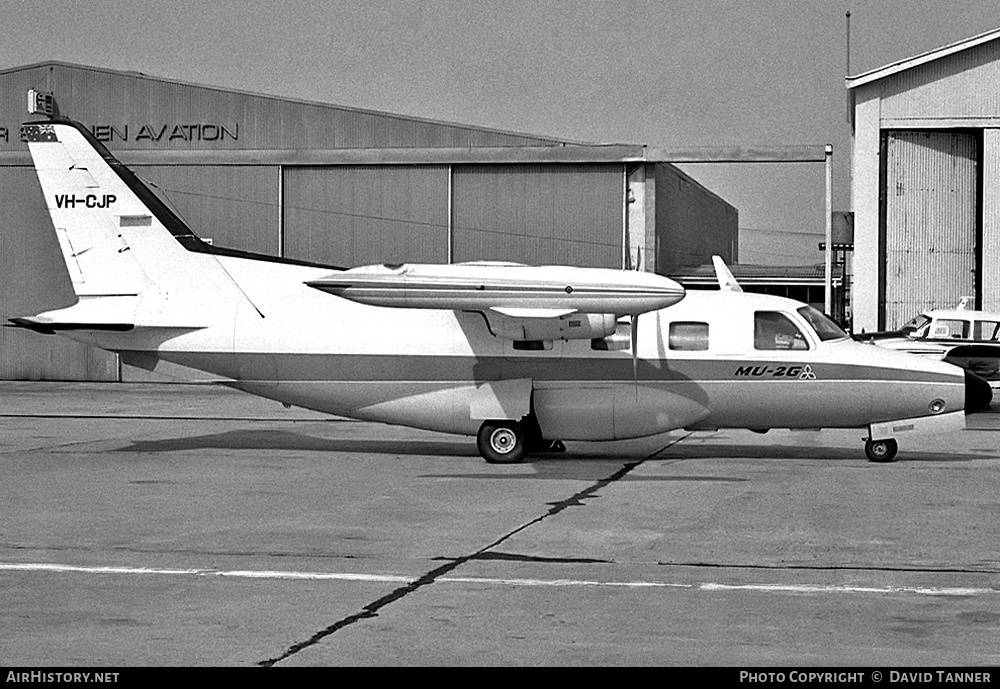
(962, 336)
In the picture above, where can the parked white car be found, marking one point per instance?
(962, 336)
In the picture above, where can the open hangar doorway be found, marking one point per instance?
(930, 221)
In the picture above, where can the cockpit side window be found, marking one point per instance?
(773, 330)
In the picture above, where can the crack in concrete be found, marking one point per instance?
(371, 610)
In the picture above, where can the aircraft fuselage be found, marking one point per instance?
(281, 339)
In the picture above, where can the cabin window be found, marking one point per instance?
(950, 328)
(773, 330)
(987, 330)
(621, 340)
(688, 336)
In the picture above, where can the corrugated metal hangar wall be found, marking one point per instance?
(334, 185)
(926, 183)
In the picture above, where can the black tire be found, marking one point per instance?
(502, 442)
(881, 450)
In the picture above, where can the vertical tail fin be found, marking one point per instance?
(83, 212)
(126, 252)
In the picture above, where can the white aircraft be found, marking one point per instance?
(962, 336)
(521, 357)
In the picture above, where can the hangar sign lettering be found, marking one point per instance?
(188, 132)
(169, 133)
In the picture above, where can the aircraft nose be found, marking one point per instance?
(978, 394)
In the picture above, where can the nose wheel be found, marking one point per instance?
(502, 442)
(881, 450)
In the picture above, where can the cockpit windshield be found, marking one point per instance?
(826, 329)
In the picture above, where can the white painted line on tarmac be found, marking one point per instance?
(829, 588)
(561, 582)
(245, 574)
(315, 576)
(502, 581)
(46, 567)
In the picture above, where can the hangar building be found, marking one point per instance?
(926, 183)
(335, 185)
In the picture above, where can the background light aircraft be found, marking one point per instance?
(961, 336)
(518, 356)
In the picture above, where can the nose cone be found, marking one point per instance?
(978, 394)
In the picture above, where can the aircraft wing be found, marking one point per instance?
(979, 358)
(520, 302)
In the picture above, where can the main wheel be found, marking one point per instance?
(881, 450)
(502, 442)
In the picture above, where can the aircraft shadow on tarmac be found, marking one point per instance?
(779, 452)
(783, 452)
(284, 441)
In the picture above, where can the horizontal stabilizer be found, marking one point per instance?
(51, 328)
(111, 313)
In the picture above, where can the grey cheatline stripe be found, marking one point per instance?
(504, 581)
(340, 367)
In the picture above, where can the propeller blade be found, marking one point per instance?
(635, 353)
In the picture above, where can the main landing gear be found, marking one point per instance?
(509, 442)
(881, 450)
(502, 442)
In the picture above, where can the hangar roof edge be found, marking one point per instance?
(923, 58)
(287, 99)
(569, 154)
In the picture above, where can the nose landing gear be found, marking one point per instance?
(881, 450)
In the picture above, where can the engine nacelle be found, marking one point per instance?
(576, 326)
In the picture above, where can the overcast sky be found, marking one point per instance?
(666, 73)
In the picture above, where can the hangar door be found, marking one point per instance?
(929, 228)
(234, 206)
(354, 215)
(539, 214)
